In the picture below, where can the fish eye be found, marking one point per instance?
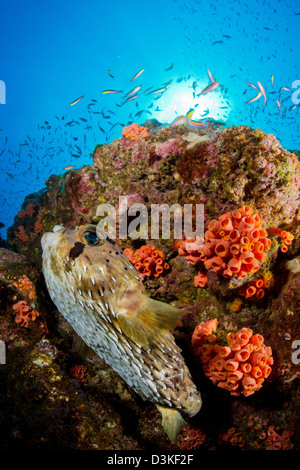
(90, 237)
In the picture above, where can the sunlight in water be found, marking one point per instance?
(179, 99)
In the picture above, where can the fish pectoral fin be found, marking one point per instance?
(172, 422)
(141, 317)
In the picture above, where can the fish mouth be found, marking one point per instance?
(49, 237)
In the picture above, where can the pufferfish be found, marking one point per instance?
(102, 296)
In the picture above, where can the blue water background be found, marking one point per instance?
(53, 52)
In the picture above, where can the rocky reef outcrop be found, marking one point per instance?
(52, 398)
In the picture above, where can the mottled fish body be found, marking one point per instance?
(101, 295)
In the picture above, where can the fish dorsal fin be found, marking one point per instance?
(141, 317)
(211, 77)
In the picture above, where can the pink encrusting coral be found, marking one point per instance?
(241, 366)
(147, 260)
(169, 146)
(27, 211)
(234, 244)
(135, 132)
(21, 234)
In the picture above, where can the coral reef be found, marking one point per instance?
(147, 260)
(234, 244)
(192, 438)
(241, 366)
(239, 283)
(24, 284)
(135, 132)
(24, 313)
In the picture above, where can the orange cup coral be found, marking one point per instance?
(79, 372)
(192, 438)
(286, 238)
(147, 260)
(256, 289)
(240, 367)
(200, 280)
(25, 285)
(234, 244)
(135, 132)
(24, 313)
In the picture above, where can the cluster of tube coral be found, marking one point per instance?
(26, 286)
(135, 132)
(79, 372)
(286, 238)
(274, 441)
(147, 260)
(234, 244)
(24, 313)
(241, 366)
(256, 289)
(232, 437)
(191, 439)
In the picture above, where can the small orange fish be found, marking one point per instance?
(213, 85)
(263, 91)
(137, 74)
(76, 101)
(286, 88)
(255, 97)
(251, 84)
(130, 98)
(106, 92)
(279, 106)
(134, 90)
(187, 119)
(69, 167)
(159, 90)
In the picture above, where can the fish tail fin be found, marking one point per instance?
(190, 113)
(172, 422)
